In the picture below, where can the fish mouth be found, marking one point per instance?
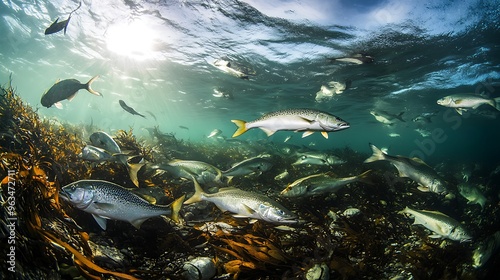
(64, 195)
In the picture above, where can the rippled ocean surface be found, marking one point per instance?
(158, 56)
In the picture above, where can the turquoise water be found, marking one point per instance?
(158, 57)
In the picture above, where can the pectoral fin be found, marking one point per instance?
(58, 105)
(307, 133)
(325, 134)
(423, 188)
(100, 220)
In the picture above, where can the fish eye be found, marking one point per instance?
(280, 212)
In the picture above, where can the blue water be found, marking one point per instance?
(157, 55)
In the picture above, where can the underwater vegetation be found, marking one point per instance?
(354, 233)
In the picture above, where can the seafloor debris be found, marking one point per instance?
(54, 241)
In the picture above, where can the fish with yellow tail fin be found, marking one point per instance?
(106, 200)
(320, 184)
(307, 120)
(245, 204)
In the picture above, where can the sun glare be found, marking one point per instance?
(134, 39)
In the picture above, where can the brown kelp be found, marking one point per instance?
(33, 161)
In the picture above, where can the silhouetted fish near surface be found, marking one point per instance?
(57, 25)
(65, 89)
(183, 127)
(151, 114)
(129, 109)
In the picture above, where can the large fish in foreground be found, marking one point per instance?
(320, 184)
(307, 120)
(65, 89)
(485, 249)
(462, 102)
(413, 168)
(442, 225)
(245, 204)
(106, 200)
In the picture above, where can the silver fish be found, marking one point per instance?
(65, 89)
(442, 225)
(358, 58)
(485, 250)
(96, 154)
(413, 168)
(472, 194)
(214, 133)
(386, 117)
(462, 102)
(106, 200)
(245, 204)
(307, 120)
(317, 159)
(252, 165)
(233, 68)
(320, 184)
(202, 171)
(104, 141)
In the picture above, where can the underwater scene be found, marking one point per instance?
(250, 139)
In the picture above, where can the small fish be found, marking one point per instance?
(129, 109)
(92, 153)
(318, 159)
(485, 250)
(106, 200)
(183, 127)
(287, 138)
(307, 120)
(320, 184)
(65, 89)
(424, 118)
(442, 225)
(214, 133)
(219, 93)
(472, 194)
(202, 171)
(57, 26)
(394, 135)
(463, 102)
(423, 132)
(245, 204)
(233, 68)
(104, 141)
(358, 58)
(252, 165)
(387, 118)
(413, 168)
(151, 114)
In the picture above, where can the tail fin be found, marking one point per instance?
(176, 207)
(497, 103)
(363, 177)
(400, 116)
(242, 128)
(133, 169)
(377, 154)
(198, 191)
(89, 88)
